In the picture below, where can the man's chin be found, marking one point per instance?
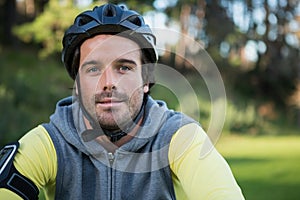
(109, 123)
(112, 125)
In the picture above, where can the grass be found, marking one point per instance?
(265, 167)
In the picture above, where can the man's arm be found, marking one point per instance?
(36, 160)
(199, 171)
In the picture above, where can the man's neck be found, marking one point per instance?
(105, 141)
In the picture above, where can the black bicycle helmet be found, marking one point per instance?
(107, 19)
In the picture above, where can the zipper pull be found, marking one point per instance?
(111, 158)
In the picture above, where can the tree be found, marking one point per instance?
(8, 13)
(48, 28)
(276, 66)
(255, 43)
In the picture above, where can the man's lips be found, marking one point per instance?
(109, 102)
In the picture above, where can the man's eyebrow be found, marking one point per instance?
(124, 60)
(118, 61)
(91, 62)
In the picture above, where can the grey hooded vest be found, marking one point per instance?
(137, 170)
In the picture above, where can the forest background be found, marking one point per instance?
(254, 43)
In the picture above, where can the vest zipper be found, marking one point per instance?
(111, 158)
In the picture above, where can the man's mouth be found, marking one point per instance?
(109, 101)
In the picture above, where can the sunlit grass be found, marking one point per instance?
(265, 167)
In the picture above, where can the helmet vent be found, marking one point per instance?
(123, 6)
(84, 20)
(110, 11)
(135, 20)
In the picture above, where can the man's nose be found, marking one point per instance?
(108, 80)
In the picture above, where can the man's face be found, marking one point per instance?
(110, 75)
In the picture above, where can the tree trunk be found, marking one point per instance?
(9, 19)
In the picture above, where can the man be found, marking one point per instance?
(111, 140)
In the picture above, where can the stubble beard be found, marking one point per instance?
(119, 117)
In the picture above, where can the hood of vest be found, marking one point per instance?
(68, 119)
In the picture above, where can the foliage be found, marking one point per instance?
(29, 89)
(242, 120)
(259, 39)
(49, 27)
(264, 47)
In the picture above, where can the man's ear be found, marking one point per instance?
(146, 88)
(76, 87)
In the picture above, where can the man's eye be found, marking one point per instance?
(92, 70)
(124, 68)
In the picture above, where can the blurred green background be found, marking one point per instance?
(255, 45)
